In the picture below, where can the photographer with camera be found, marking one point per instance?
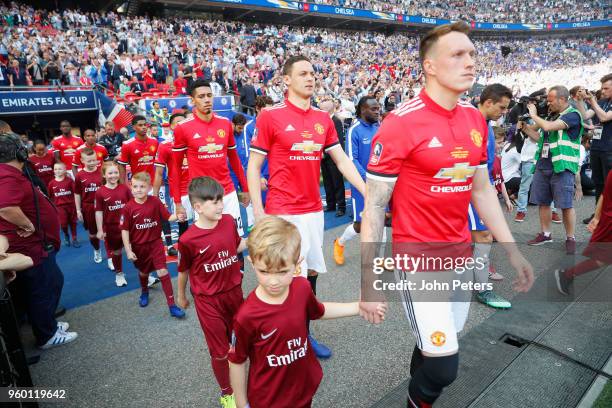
(601, 144)
(557, 160)
(30, 223)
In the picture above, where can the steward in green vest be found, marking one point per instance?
(563, 151)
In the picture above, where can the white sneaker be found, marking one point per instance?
(109, 262)
(120, 279)
(59, 338)
(494, 276)
(63, 326)
(152, 280)
(97, 256)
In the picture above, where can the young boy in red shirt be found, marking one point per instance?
(270, 327)
(140, 225)
(86, 183)
(209, 259)
(110, 200)
(61, 192)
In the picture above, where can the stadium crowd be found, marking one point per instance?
(136, 54)
(485, 10)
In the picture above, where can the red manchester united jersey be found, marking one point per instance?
(139, 155)
(207, 145)
(66, 146)
(164, 159)
(62, 192)
(86, 184)
(432, 154)
(143, 221)
(210, 257)
(101, 155)
(283, 371)
(43, 166)
(111, 202)
(293, 141)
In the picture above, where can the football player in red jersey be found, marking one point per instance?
(163, 161)
(139, 151)
(208, 141)
(270, 330)
(65, 145)
(90, 141)
(431, 150)
(86, 183)
(292, 137)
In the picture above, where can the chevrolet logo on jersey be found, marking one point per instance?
(307, 146)
(460, 172)
(210, 148)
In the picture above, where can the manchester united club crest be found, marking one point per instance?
(221, 133)
(152, 148)
(438, 338)
(319, 128)
(476, 137)
(306, 134)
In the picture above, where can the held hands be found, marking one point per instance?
(373, 312)
(245, 198)
(80, 215)
(101, 235)
(264, 184)
(181, 214)
(131, 256)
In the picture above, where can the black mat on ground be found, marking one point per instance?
(493, 373)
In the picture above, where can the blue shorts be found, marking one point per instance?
(474, 220)
(358, 204)
(547, 187)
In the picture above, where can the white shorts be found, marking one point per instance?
(310, 226)
(434, 324)
(231, 206)
(188, 209)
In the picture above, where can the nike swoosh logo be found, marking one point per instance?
(266, 336)
(135, 215)
(204, 250)
(106, 199)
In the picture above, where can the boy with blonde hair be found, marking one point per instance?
(270, 328)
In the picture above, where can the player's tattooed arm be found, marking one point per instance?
(378, 194)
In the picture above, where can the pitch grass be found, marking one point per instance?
(605, 398)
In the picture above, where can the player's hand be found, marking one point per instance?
(245, 198)
(9, 276)
(182, 302)
(100, 235)
(578, 194)
(524, 272)
(258, 214)
(593, 225)
(263, 184)
(369, 311)
(180, 211)
(80, 215)
(509, 206)
(131, 256)
(381, 309)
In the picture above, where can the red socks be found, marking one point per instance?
(144, 281)
(581, 268)
(117, 262)
(167, 287)
(221, 370)
(95, 243)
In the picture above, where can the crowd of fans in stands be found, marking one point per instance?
(515, 11)
(136, 54)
